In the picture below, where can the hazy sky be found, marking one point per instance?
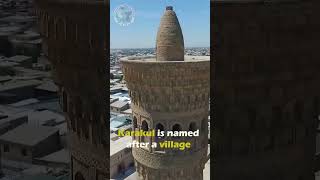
(193, 15)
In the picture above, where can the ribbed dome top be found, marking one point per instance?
(170, 45)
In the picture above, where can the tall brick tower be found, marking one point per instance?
(266, 89)
(74, 33)
(170, 92)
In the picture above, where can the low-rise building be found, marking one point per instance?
(50, 119)
(47, 90)
(56, 159)
(121, 157)
(24, 102)
(122, 96)
(112, 100)
(118, 121)
(114, 90)
(27, 43)
(46, 118)
(119, 106)
(4, 79)
(9, 122)
(128, 111)
(27, 142)
(24, 61)
(14, 91)
(6, 32)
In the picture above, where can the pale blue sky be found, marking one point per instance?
(193, 15)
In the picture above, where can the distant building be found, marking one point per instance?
(24, 61)
(8, 123)
(128, 111)
(47, 90)
(119, 106)
(122, 96)
(27, 142)
(50, 119)
(120, 156)
(28, 43)
(46, 118)
(31, 74)
(114, 81)
(114, 90)
(56, 159)
(112, 100)
(18, 90)
(51, 104)
(119, 121)
(5, 32)
(4, 79)
(117, 76)
(19, 19)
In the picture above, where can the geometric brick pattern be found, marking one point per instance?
(74, 35)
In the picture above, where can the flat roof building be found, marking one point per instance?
(55, 159)
(9, 122)
(119, 106)
(29, 141)
(18, 90)
(120, 156)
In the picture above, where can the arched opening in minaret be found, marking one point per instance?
(159, 127)
(79, 176)
(144, 127)
(176, 128)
